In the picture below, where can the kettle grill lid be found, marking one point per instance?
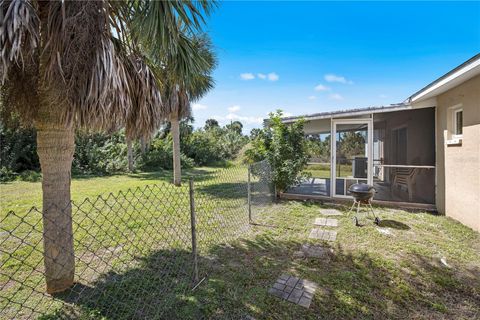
(361, 188)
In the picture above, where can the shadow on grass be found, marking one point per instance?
(224, 190)
(352, 285)
(393, 224)
(155, 289)
(162, 175)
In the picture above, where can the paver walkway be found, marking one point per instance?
(322, 234)
(313, 251)
(331, 212)
(328, 222)
(301, 291)
(293, 289)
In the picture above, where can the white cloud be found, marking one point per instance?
(234, 108)
(312, 97)
(335, 78)
(246, 120)
(243, 119)
(272, 76)
(198, 106)
(335, 96)
(247, 76)
(321, 87)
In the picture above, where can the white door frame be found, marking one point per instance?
(333, 151)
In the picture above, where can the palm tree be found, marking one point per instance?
(82, 64)
(183, 85)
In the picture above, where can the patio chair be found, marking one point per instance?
(405, 177)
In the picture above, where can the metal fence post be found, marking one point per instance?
(194, 233)
(249, 195)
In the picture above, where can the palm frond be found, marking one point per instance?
(19, 34)
(147, 112)
(187, 76)
(92, 60)
(106, 86)
(166, 21)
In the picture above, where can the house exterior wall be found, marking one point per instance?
(458, 166)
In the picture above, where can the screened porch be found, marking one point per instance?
(391, 148)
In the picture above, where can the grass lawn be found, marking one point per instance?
(368, 275)
(138, 216)
(135, 258)
(21, 196)
(323, 170)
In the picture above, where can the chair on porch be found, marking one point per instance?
(405, 178)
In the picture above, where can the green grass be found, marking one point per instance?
(368, 275)
(323, 170)
(20, 195)
(138, 217)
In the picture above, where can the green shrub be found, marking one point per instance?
(160, 156)
(97, 153)
(30, 176)
(213, 146)
(285, 148)
(18, 150)
(7, 174)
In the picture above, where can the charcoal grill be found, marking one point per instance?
(362, 194)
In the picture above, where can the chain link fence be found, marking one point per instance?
(137, 253)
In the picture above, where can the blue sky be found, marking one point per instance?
(308, 57)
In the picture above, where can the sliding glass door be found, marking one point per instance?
(351, 154)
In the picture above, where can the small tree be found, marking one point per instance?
(211, 124)
(285, 148)
(236, 126)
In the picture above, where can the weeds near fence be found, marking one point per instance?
(136, 252)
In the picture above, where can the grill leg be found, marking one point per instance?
(371, 209)
(351, 208)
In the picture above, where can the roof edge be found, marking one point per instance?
(470, 61)
(346, 112)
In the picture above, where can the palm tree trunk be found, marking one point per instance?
(177, 170)
(55, 148)
(130, 154)
(143, 145)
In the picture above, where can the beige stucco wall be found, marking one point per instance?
(458, 167)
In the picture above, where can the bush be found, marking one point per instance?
(160, 156)
(213, 146)
(7, 174)
(97, 153)
(285, 148)
(30, 176)
(18, 150)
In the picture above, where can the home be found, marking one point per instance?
(424, 152)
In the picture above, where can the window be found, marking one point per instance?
(458, 122)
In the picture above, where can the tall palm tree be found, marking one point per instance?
(69, 64)
(182, 86)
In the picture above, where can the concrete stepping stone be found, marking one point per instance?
(327, 222)
(322, 234)
(385, 231)
(313, 251)
(293, 289)
(331, 212)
